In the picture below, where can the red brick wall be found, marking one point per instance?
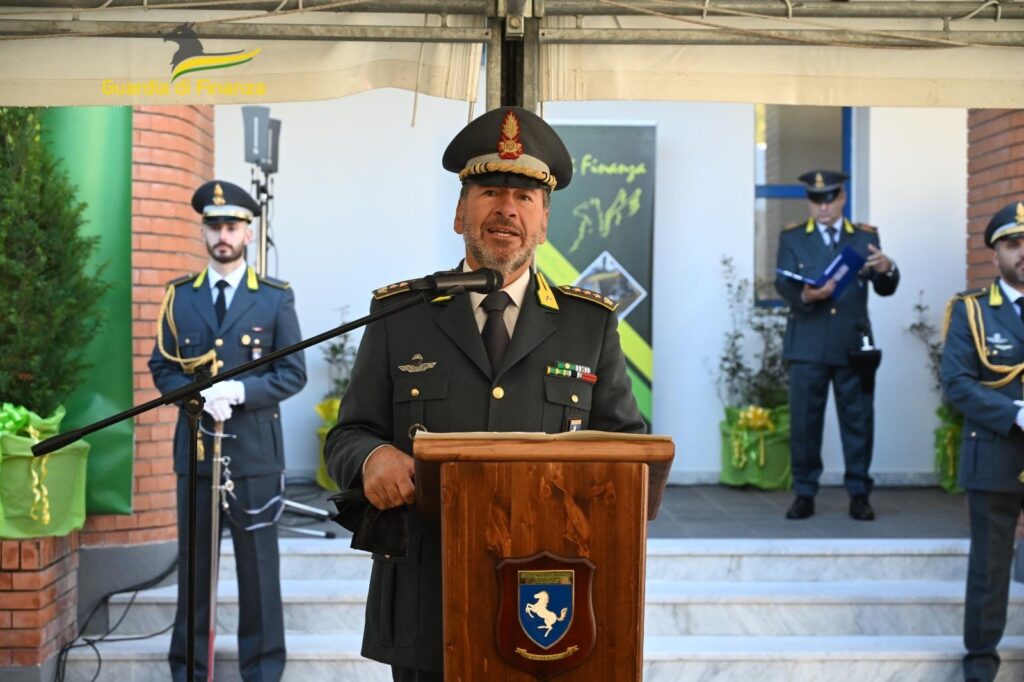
(38, 594)
(172, 155)
(995, 168)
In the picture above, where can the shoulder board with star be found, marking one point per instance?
(184, 279)
(588, 295)
(279, 283)
(792, 226)
(390, 290)
(867, 228)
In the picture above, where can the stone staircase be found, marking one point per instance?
(770, 610)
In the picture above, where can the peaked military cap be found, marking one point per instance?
(509, 147)
(1007, 222)
(220, 201)
(822, 185)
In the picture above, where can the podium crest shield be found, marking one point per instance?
(545, 618)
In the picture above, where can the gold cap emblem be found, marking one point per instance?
(218, 195)
(819, 181)
(509, 146)
(1020, 213)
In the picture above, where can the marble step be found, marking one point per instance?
(694, 559)
(672, 608)
(314, 657)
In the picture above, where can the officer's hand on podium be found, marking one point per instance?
(218, 408)
(388, 478)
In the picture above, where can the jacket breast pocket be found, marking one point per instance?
(256, 343)
(191, 343)
(421, 398)
(567, 404)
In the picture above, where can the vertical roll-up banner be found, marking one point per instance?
(601, 233)
(95, 145)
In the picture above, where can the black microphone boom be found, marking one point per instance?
(483, 281)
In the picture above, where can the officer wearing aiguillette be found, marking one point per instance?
(982, 372)
(473, 363)
(823, 336)
(230, 310)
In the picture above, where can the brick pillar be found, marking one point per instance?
(172, 155)
(995, 177)
(38, 583)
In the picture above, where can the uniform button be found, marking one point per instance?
(220, 363)
(995, 351)
(415, 393)
(219, 343)
(575, 398)
(255, 342)
(188, 340)
(387, 556)
(498, 393)
(275, 415)
(974, 434)
(833, 311)
(246, 339)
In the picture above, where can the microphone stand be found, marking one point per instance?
(192, 402)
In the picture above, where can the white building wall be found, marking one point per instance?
(361, 201)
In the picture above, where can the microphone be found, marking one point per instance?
(483, 281)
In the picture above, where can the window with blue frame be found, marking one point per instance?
(790, 140)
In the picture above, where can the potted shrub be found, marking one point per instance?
(339, 355)
(753, 384)
(49, 310)
(949, 432)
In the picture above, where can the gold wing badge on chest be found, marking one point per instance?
(417, 365)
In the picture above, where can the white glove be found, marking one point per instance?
(232, 390)
(1020, 413)
(218, 408)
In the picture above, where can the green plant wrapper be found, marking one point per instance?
(948, 436)
(755, 447)
(328, 411)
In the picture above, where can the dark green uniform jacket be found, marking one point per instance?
(992, 455)
(826, 331)
(403, 614)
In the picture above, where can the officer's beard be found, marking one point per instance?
(506, 265)
(231, 255)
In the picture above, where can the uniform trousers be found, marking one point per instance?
(808, 397)
(399, 674)
(993, 527)
(261, 648)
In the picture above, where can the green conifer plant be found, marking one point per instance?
(49, 299)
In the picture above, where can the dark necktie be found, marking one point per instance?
(220, 305)
(833, 238)
(495, 333)
(1020, 305)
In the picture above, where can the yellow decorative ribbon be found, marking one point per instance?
(754, 420)
(19, 421)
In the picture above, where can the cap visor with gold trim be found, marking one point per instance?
(1008, 222)
(219, 202)
(509, 147)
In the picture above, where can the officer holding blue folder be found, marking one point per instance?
(824, 331)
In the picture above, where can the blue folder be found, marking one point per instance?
(843, 268)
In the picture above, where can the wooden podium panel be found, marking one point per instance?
(503, 498)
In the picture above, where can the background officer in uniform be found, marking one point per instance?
(820, 334)
(982, 370)
(487, 360)
(231, 310)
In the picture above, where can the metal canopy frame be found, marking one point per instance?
(514, 33)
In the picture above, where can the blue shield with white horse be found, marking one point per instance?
(546, 605)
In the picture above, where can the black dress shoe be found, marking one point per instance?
(801, 508)
(860, 508)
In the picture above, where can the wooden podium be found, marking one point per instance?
(544, 550)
